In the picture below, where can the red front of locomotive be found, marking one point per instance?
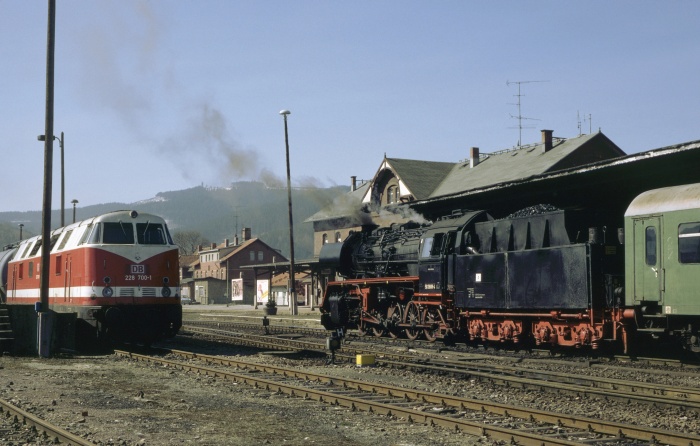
(118, 272)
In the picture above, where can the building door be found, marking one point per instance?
(648, 267)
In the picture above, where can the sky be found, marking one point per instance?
(156, 96)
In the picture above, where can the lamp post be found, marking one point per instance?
(63, 176)
(21, 226)
(292, 282)
(74, 201)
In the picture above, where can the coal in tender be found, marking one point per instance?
(533, 210)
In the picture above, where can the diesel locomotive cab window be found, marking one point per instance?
(118, 233)
(651, 245)
(689, 243)
(150, 234)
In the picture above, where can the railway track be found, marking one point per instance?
(41, 427)
(476, 367)
(496, 421)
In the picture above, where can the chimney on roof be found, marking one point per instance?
(245, 234)
(547, 140)
(225, 243)
(235, 240)
(353, 183)
(213, 245)
(473, 157)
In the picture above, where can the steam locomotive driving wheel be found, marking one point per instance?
(431, 318)
(413, 318)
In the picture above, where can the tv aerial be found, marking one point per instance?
(520, 116)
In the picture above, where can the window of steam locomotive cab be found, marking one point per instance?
(689, 243)
(150, 234)
(437, 244)
(118, 233)
(427, 247)
(651, 245)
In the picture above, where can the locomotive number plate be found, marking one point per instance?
(138, 269)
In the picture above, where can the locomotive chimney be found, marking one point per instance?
(473, 157)
(547, 140)
(245, 234)
(353, 183)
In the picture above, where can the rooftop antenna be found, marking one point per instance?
(520, 116)
(590, 123)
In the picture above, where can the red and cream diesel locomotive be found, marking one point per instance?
(118, 272)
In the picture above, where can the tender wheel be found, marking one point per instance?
(394, 317)
(431, 317)
(412, 317)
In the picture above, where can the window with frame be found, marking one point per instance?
(150, 234)
(338, 237)
(118, 233)
(252, 256)
(650, 242)
(260, 256)
(689, 242)
(64, 240)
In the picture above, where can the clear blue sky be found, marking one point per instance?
(165, 95)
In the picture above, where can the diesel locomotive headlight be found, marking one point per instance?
(165, 292)
(107, 291)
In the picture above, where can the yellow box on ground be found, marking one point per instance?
(365, 360)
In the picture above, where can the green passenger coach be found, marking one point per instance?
(662, 264)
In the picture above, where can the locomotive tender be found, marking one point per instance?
(551, 277)
(119, 272)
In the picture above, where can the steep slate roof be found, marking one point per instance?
(427, 180)
(525, 162)
(420, 177)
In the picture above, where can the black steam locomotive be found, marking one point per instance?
(550, 276)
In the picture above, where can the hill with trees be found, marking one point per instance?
(215, 213)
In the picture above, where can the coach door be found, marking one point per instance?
(648, 267)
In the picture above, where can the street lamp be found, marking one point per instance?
(292, 282)
(74, 201)
(63, 176)
(21, 226)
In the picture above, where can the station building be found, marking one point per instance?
(222, 274)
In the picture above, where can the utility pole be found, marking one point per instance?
(292, 281)
(44, 341)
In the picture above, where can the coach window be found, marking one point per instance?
(651, 246)
(689, 243)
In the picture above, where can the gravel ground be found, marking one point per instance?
(114, 401)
